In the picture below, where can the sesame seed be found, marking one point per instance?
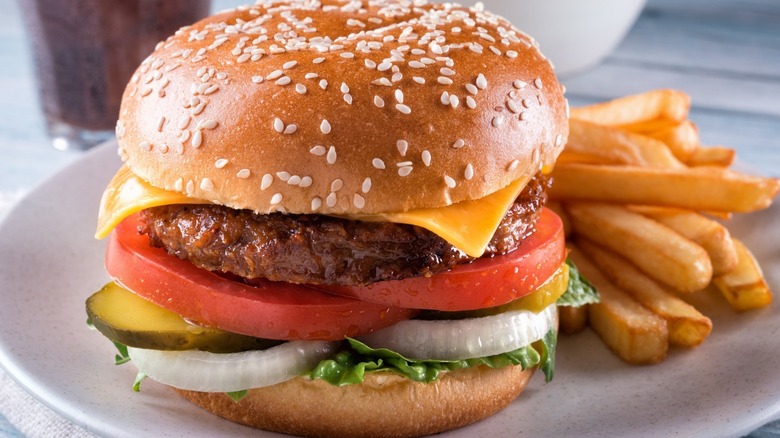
(347, 55)
(344, 88)
(397, 77)
(498, 120)
(419, 80)
(331, 200)
(435, 48)
(331, 156)
(426, 157)
(206, 184)
(243, 173)
(348, 98)
(274, 75)
(294, 180)
(513, 165)
(384, 66)
(418, 52)
(358, 201)
(366, 186)
(369, 63)
(190, 187)
(447, 71)
(454, 101)
(449, 181)
(399, 95)
(318, 60)
(305, 181)
(519, 84)
(316, 203)
(538, 83)
(284, 176)
(178, 185)
(558, 140)
(481, 81)
(323, 84)
(197, 139)
(336, 185)
(444, 80)
(402, 146)
(513, 106)
(459, 143)
(470, 102)
(220, 163)
(300, 88)
(427, 61)
(404, 163)
(325, 126)
(290, 129)
(284, 80)
(266, 181)
(318, 150)
(184, 122)
(416, 64)
(403, 108)
(404, 171)
(469, 172)
(378, 163)
(495, 50)
(445, 98)
(289, 64)
(163, 148)
(384, 81)
(210, 124)
(511, 54)
(145, 145)
(527, 103)
(160, 124)
(311, 75)
(278, 125)
(523, 116)
(379, 102)
(276, 199)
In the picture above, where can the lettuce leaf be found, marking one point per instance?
(580, 291)
(350, 365)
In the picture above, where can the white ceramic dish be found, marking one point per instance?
(50, 264)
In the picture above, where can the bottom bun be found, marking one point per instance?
(385, 405)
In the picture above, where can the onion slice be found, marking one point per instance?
(213, 372)
(459, 339)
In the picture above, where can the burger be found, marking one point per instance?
(330, 218)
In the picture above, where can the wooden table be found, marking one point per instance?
(725, 54)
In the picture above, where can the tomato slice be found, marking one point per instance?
(487, 282)
(271, 310)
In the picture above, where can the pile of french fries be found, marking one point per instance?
(641, 198)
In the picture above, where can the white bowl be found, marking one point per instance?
(574, 34)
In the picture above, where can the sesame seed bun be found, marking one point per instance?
(336, 110)
(385, 405)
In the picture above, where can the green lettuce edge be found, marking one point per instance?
(579, 291)
(350, 365)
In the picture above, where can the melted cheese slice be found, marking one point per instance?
(467, 225)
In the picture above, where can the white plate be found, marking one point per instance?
(51, 264)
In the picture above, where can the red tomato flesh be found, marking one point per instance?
(487, 282)
(271, 310)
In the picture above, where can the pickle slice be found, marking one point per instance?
(124, 317)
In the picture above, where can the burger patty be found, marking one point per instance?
(318, 249)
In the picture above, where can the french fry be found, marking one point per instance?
(572, 319)
(634, 333)
(657, 250)
(745, 287)
(682, 139)
(687, 326)
(619, 146)
(703, 189)
(711, 156)
(709, 234)
(645, 111)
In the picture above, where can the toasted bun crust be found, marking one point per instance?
(385, 405)
(284, 106)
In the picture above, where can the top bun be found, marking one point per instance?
(343, 108)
